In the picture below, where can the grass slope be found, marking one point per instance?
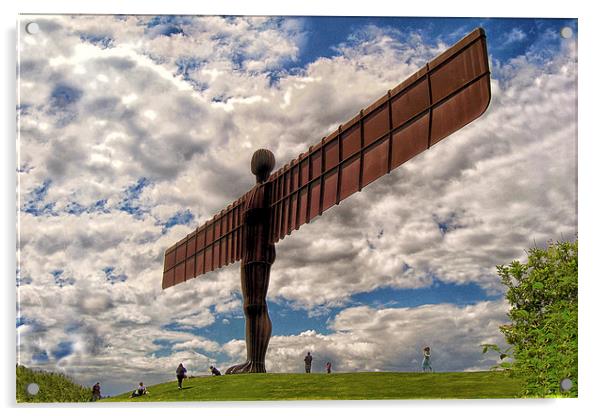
(54, 387)
(340, 386)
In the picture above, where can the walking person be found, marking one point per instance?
(426, 361)
(96, 392)
(307, 360)
(181, 375)
(328, 367)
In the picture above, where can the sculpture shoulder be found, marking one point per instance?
(258, 197)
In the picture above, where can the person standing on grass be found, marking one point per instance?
(328, 367)
(96, 392)
(307, 360)
(426, 361)
(181, 375)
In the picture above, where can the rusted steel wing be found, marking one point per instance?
(446, 94)
(215, 244)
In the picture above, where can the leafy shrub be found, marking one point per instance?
(53, 387)
(542, 294)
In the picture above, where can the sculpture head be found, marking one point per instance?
(262, 163)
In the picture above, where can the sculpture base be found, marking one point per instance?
(247, 367)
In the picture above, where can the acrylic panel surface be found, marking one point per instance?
(134, 147)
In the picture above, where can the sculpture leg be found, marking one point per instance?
(255, 278)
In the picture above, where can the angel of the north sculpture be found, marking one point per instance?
(447, 93)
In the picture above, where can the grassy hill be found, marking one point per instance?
(54, 387)
(340, 386)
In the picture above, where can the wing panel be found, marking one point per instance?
(180, 277)
(211, 246)
(413, 101)
(351, 141)
(460, 110)
(463, 68)
(410, 141)
(292, 213)
(200, 263)
(350, 178)
(302, 214)
(376, 125)
(168, 278)
(331, 153)
(285, 218)
(181, 251)
(314, 198)
(330, 190)
(375, 162)
(190, 268)
(170, 259)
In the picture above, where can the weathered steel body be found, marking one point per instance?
(258, 255)
(443, 96)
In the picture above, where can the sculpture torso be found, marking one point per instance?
(256, 219)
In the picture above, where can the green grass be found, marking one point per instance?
(54, 387)
(343, 386)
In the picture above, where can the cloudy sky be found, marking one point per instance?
(133, 130)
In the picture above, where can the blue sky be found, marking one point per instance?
(289, 320)
(134, 130)
(507, 38)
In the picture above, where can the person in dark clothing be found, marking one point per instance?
(96, 392)
(307, 360)
(181, 375)
(215, 371)
(328, 367)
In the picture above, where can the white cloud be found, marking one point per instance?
(515, 35)
(367, 339)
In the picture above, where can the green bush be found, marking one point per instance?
(542, 294)
(53, 387)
